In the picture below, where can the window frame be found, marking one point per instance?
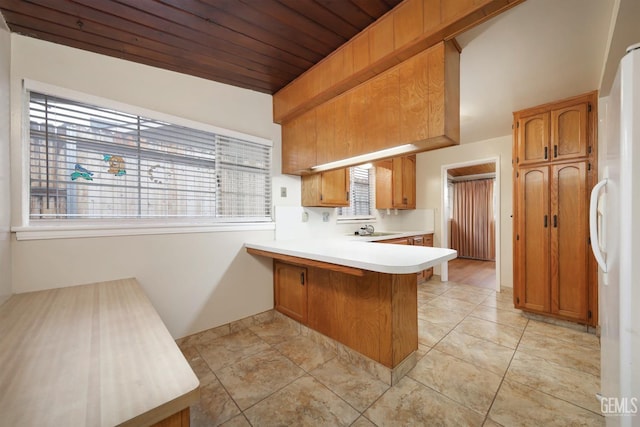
(43, 229)
(342, 218)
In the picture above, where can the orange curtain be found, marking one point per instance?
(472, 225)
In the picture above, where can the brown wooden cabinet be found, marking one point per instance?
(553, 133)
(420, 240)
(415, 102)
(299, 143)
(290, 289)
(396, 183)
(554, 158)
(330, 189)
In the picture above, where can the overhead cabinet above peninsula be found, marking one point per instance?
(415, 102)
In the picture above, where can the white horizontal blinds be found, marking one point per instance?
(245, 180)
(361, 193)
(94, 162)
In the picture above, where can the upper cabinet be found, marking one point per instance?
(415, 102)
(553, 132)
(411, 27)
(327, 189)
(396, 183)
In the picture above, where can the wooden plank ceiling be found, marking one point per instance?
(255, 44)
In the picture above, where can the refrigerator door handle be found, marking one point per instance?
(593, 225)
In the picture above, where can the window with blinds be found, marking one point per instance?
(361, 194)
(92, 162)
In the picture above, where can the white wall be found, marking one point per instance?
(5, 197)
(196, 281)
(429, 190)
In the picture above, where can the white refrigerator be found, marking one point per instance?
(615, 236)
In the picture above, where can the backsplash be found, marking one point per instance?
(291, 224)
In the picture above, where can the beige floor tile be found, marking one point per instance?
(424, 297)
(484, 354)
(231, 348)
(202, 371)
(504, 317)
(363, 422)
(490, 331)
(429, 333)
(256, 377)
(276, 331)
(583, 359)
(518, 405)
(465, 294)
(410, 403)
(576, 387)
(305, 353)
(490, 423)
(434, 287)
(473, 289)
(237, 421)
(571, 336)
(204, 336)
(453, 304)
(440, 316)
(463, 382)
(499, 300)
(215, 406)
(357, 387)
(421, 351)
(304, 402)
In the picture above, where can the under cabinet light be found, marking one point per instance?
(367, 158)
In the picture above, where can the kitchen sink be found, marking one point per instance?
(376, 234)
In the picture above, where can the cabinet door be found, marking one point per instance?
(532, 145)
(569, 129)
(404, 182)
(532, 239)
(290, 283)
(329, 189)
(428, 241)
(326, 147)
(384, 172)
(335, 187)
(299, 143)
(569, 249)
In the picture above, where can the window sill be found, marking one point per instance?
(73, 231)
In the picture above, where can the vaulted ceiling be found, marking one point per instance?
(254, 44)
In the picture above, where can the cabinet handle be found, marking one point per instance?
(404, 200)
(555, 221)
(555, 151)
(347, 196)
(545, 221)
(545, 153)
(302, 279)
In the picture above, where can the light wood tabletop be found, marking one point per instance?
(90, 355)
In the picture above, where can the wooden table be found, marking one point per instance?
(91, 355)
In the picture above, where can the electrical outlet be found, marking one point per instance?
(305, 216)
(283, 191)
(325, 216)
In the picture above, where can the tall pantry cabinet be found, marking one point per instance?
(554, 170)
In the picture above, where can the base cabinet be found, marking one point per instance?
(290, 290)
(375, 314)
(421, 240)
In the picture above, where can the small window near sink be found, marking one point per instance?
(361, 195)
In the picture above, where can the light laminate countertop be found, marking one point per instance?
(90, 355)
(361, 252)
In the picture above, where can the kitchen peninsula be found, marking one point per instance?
(361, 294)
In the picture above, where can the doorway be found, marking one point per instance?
(478, 264)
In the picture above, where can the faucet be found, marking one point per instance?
(366, 230)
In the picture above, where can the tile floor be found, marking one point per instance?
(480, 362)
